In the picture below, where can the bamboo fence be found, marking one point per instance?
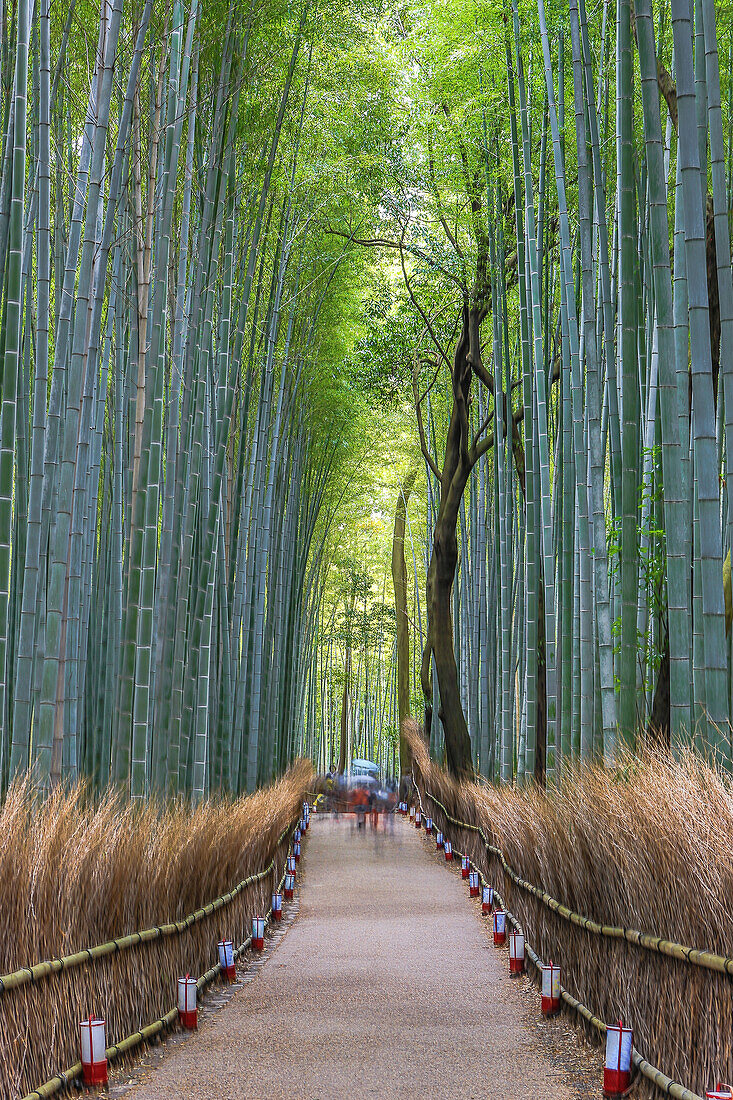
(677, 998)
(131, 980)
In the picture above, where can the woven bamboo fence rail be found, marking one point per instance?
(657, 945)
(95, 976)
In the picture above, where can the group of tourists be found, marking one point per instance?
(363, 795)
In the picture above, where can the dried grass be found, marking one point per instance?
(647, 846)
(76, 873)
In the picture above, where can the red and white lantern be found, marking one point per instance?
(499, 928)
(226, 959)
(289, 887)
(297, 835)
(296, 851)
(516, 953)
(448, 849)
(258, 933)
(617, 1068)
(412, 813)
(550, 989)
(306, 814)
(187, 1009)
(438, 840)
(487, 900)
(720, 1092)
(277, 907)
(93, 1051)
(418, 819)
(428, 824)
(465, 867)
(290, 865)
(473, 884)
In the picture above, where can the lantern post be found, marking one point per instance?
(516, 953)
(92, 1033)
(550, 989)
(187, 1007)
(226, 959)
(617, 1066)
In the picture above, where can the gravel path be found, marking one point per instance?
(385, 986)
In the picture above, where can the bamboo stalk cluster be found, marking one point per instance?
(595, 531)
(161, 474)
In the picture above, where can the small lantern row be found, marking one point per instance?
(619, 1039)
(92, 1031)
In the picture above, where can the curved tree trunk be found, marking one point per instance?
(399, 580)
(345, 712)
(444, 559)
(440, 586)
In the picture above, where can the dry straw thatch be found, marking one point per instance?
(647, 846)
(76, 873)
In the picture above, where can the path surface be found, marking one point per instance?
(385, 986)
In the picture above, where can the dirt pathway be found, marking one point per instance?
(385, 986)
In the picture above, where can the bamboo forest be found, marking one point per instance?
(308, 308)
(366, 453)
